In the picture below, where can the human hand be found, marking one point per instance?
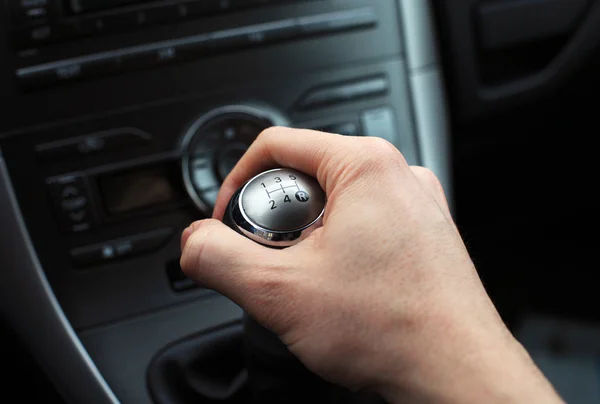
(384, 296)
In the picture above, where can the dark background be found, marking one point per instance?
(525, 201)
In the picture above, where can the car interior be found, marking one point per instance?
(119, 120)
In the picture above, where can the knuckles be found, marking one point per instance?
(378, 156)
(382, 149)
(270, 133)
(426, 175)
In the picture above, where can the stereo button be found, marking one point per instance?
(205, 7)
(39, 35)
(92, 26)
(116, 23)
(120, 248)
(199, 47)
(140, 60)
(254, 35)
(24, 12)
(74, 204)
(338, 21)
(93, 143)
(35, 36)
(71, 202)
(368, 87)
(66, 72)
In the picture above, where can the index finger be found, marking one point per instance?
(308, 151)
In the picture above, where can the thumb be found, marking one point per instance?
(218, 258)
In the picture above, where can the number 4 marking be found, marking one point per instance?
(287, 199)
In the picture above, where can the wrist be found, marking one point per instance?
(491, 369)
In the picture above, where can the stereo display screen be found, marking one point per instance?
(139, 188)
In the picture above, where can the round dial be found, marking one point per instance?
(214, 144)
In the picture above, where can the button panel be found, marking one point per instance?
(198, 46)
(324, 23)
(71, 202)
(40, 34)
(343, 92)
(121, 248)
(93, 143)
(26, 13)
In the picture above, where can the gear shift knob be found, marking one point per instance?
(277, 208)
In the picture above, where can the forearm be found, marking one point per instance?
(497, 372)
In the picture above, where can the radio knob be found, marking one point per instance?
(215, 142)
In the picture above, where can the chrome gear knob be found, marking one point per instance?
(277, 208)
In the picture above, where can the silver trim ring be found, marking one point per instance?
(257, 110)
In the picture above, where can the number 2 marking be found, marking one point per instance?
(272, 202)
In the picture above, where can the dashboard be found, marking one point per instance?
(120, 120)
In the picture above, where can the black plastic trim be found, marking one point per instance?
(30, 307)
(474, 100)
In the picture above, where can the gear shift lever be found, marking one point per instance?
(278, 208)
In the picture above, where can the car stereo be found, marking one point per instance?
(40, 26)
(40, 22)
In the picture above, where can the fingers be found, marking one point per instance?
(218, 258)
(325, 156)
(307, 151)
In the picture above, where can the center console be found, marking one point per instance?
(119, 121)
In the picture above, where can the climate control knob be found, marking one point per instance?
(215, 142)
